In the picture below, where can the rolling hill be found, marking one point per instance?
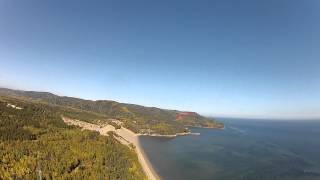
(139, 119)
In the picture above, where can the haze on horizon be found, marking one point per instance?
(219, 58)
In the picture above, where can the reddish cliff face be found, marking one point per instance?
(179, 116)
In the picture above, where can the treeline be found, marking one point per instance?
(35, 143)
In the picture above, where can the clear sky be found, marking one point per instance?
(257, 58)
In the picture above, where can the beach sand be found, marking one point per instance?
(127, 137)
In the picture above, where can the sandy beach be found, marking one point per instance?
(126, 137)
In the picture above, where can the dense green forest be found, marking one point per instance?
(35, 143)
(137, 118)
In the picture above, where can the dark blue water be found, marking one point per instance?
(245, 150)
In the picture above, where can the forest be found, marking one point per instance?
(135, 117)
(35, 143)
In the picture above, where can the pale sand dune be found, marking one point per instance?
(126, 137)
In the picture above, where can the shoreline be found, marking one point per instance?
(125, 137)
(133, 138)
(170, 135)
(181, 134)
(152, 173)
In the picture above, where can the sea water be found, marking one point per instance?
(244, 150)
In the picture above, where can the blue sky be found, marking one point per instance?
(222, 58)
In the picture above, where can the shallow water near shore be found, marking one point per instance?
(244, 150)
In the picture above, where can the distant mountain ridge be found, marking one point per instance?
(139, 119)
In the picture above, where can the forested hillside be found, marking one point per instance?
(35, 143)
(138, 118)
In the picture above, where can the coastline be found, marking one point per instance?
(151, 173)
(124, 136)
(170, 135)
(133, 138)
(128, 138)
(182, 134)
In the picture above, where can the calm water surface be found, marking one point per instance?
(246, 150)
